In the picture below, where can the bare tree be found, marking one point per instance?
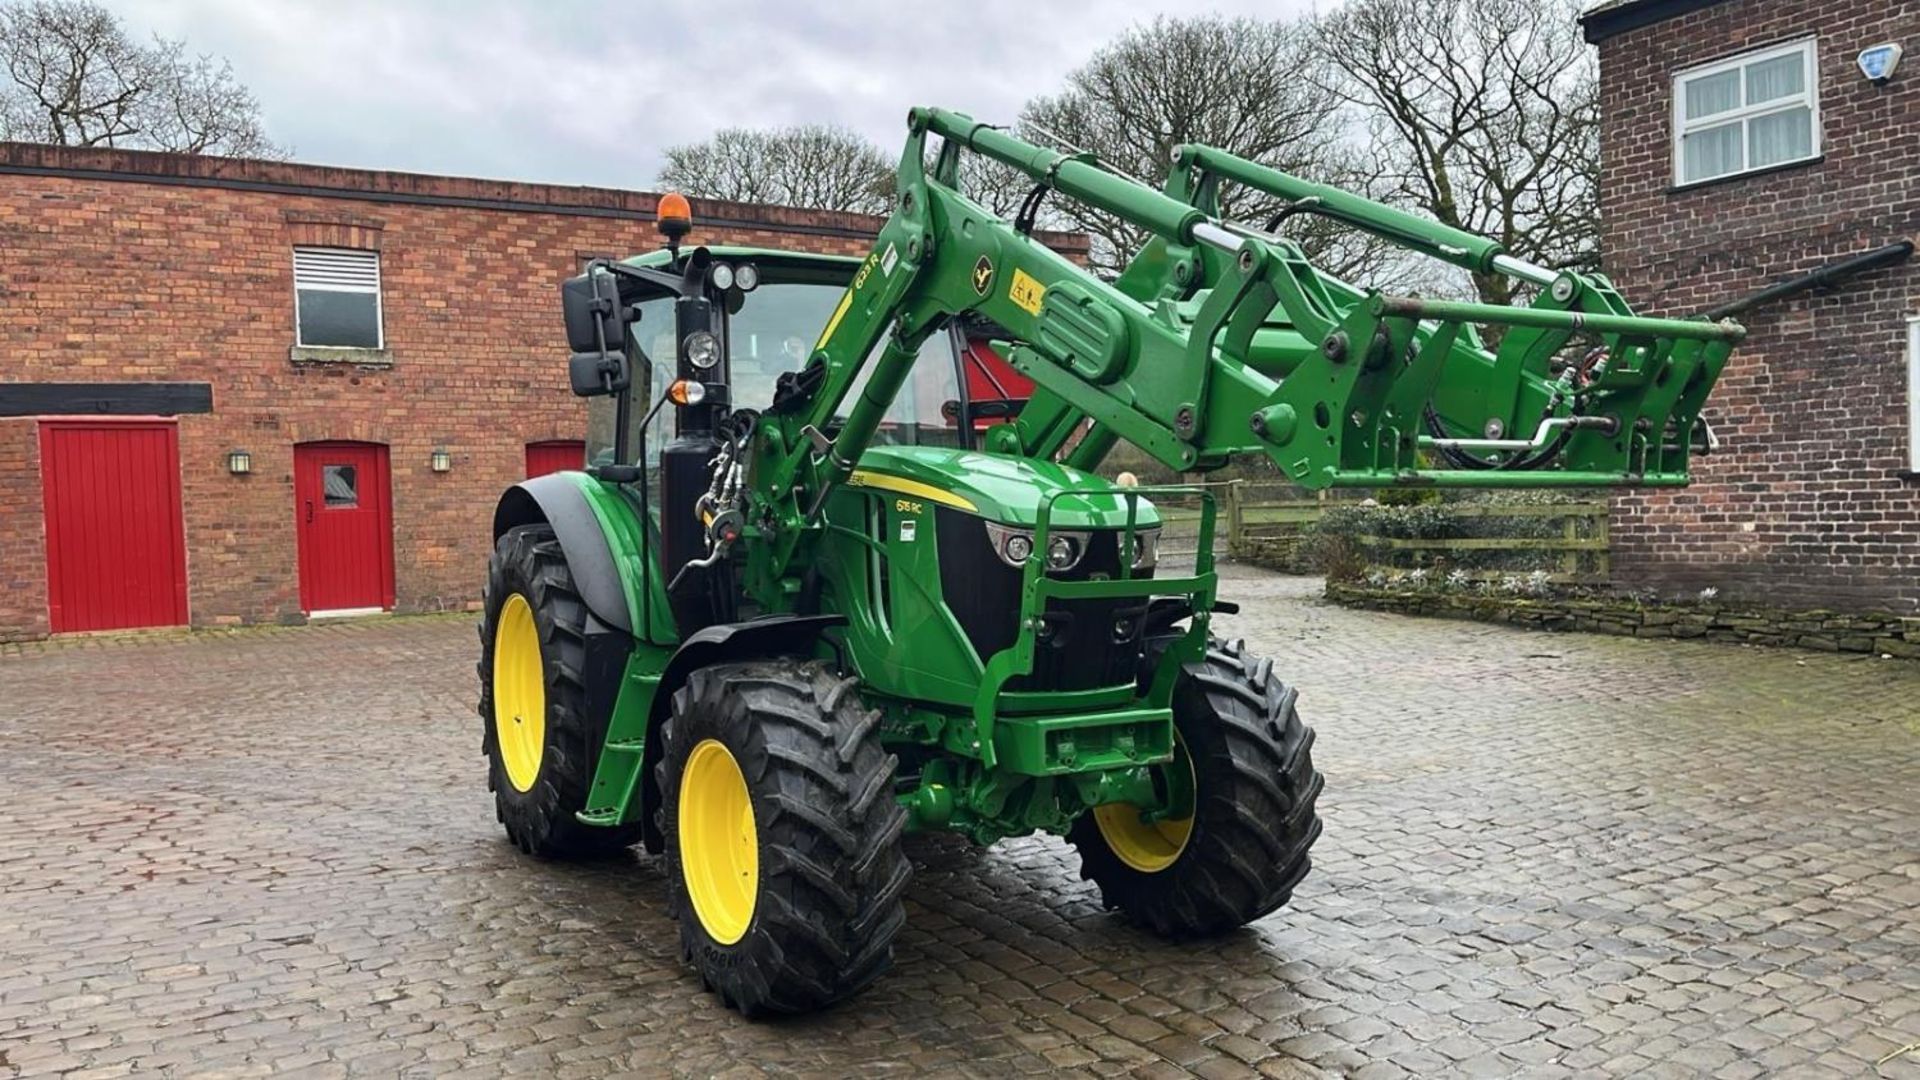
(1483, 114)
(1239, 84)
(75, 77)
(816, 166)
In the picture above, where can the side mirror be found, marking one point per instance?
(597, 334)
(594, 373)
(591, 303)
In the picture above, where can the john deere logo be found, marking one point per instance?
(982, 275)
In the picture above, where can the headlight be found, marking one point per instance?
(747, 276)
(1062, 553)
(701, 349)
(1146, 548)
(721, 275)
(1012, 545)
(1017, 548)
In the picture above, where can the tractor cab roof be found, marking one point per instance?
(776, 267)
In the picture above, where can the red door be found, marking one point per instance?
(554, 456)
(116, 552)
(345, 525)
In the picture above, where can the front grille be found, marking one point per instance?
(1080, 650)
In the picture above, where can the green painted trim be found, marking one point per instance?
(623, 763)
(618, 512)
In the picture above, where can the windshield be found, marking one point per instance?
(773, 332)
(926, 410)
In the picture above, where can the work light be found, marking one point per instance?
(701, 349)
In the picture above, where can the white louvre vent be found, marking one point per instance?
(333, 268)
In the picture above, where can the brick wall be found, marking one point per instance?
(126, 266)
(1808, 504)
(23, 578)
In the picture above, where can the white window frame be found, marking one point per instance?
(379, 308)
(1809, 96)
(1913, 393)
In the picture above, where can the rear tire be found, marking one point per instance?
(533, 645)
(784, 862)
(1246, 846)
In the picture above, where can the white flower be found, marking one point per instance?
(1457, 578)
(1708, 593)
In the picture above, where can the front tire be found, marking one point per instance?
(537, 731)
(784, 863)
(1247, 757)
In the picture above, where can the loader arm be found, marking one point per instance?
(1222, 340)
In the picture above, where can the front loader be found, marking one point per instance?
(870, 581)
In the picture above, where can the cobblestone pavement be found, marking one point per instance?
(1544, 855)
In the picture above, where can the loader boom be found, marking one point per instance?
(1222, 340)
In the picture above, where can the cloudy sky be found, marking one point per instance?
(577, 93)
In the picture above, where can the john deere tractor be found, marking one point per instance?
(869, 580)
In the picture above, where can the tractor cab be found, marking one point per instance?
(715, 333)
(770, 306)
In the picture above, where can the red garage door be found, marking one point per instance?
(554, 456)
(345, 526)
(116, 552)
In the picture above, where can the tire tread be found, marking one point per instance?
(1253, 829)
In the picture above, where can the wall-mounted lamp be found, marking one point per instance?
(441, 460)
(239, 462)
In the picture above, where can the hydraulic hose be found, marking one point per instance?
(1461, 459)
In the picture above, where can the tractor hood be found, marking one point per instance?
(1003, 489)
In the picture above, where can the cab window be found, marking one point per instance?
(926, 410)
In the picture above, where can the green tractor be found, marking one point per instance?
(871, 582)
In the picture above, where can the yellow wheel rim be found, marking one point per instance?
(1147, 846)
(519, 693)
(719, 848)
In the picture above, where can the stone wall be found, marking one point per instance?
(1826, 631)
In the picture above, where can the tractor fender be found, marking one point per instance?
(557, 500)
(769, 635)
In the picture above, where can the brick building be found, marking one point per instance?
(1744, 143)
(416, 370)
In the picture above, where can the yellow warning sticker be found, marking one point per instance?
(1026, 292)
